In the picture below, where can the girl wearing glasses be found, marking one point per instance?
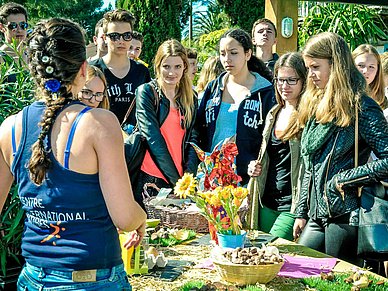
(13, 24)
(335, 94)
(94, 93)
(169, 128)
(280, 167)
(237, 102)
(75, 188)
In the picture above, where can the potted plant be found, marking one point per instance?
(14, 96)
(216, 193)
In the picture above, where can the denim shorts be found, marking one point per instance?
(42, 279)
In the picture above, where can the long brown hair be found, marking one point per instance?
(376, 87)
(173, 48)
(56, 53)
(211, 69)
(295, 61)
(339, 99)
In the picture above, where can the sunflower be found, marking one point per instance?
(185, 186)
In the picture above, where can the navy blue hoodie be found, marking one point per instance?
(251, 115)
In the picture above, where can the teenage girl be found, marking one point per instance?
(280, 169)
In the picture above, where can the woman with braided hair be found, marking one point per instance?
(68, 161)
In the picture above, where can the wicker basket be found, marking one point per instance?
(243, 274)
(247, 274)
(174, 218)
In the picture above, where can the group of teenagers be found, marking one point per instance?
(293, 127)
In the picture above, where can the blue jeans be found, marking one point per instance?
(41, 279)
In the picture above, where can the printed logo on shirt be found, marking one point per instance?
(251, 116)
(37, 215)
(115, 91)
(252, 113)
(54, 234)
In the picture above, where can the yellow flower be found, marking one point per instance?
(215, 201)
(225, 193)
(237, 202)
(240, 193)
(205, 195)
(185, 186)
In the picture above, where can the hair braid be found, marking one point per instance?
(57, 52)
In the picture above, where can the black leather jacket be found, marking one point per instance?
(149, 125)
(319, 197)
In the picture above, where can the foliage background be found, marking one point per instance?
(85, 12)
(357, 24)
(157, 20)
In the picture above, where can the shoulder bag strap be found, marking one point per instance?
(359, 189)
(157, 97)
(129, 111)
(134, 102)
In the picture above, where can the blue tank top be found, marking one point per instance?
(68, 226)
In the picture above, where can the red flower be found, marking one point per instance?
(225, 222)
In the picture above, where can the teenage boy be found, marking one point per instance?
(13, 24)
(192, 55)
(264, 36)
(136, 47)
(99, 41)
(122, 74)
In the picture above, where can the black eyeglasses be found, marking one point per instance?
(13, 25)
(290, 81)
(88, 94)
(115, 36)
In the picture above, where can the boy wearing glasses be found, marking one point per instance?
(122, 74)
(13, 24)
(264, 36)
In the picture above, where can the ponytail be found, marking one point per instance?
(57, 52)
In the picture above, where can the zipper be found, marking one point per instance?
(351, 181)
(355, 180)
(327, 173)
(308, 191)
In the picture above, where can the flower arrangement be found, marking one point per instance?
(215, 189)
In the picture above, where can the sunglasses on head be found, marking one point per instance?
(115, 36)
(13, 25)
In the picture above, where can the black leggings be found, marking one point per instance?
(334, 237)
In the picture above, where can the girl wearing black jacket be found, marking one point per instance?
(329, 197)
(168, 129)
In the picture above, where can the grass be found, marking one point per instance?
(170, 241)
(199, 284)
(338, 284)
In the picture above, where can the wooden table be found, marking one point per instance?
(198, 253)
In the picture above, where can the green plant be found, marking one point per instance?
(357, 24)
(210, 41)
(16, 90)
(157, 21)
(243, 13)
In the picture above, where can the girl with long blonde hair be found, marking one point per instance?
(168, 129)
(335, 93)
(368, 62)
